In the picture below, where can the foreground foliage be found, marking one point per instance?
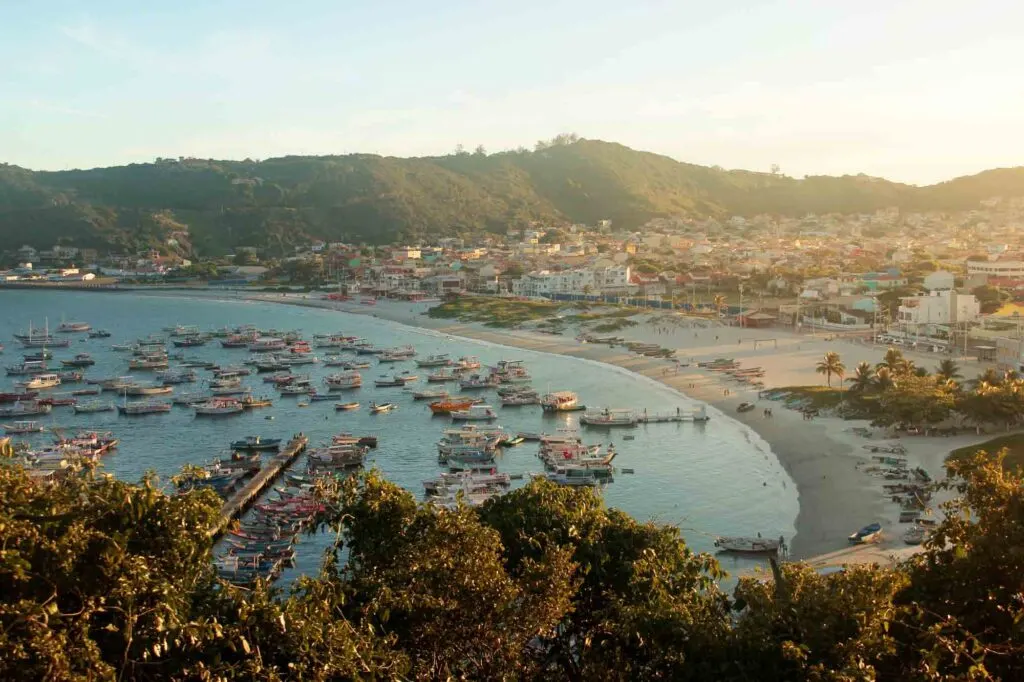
(100, 579)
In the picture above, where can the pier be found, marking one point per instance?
(243, 498)
(666, 417)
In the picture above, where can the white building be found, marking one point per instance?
(594, 281)
(996, 268)
(940, 280)
(920, 313)
(406, 253)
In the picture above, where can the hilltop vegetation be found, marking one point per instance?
(276, 203)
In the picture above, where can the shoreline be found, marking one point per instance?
(821, 457)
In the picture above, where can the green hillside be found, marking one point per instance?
(214, 206)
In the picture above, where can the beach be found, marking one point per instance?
(822, 456)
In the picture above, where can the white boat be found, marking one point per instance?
(117, 383)
(216, 407)
(442, 360)
(559, 401)
(609, 417)
(396, 380)
(396, 354)
(749, 545)
(148, 363)
(144, 407)
(377, 408)
(521, 398)
(343, 381)
(39, 381)
(468, 362)
(73, 327)
(177, 376)
(442, 375)
(92, 406)
(298, 359)
(121, 347)
(189, 399)
(475, 413)
(476, 381)
(296, 389)
(143, 390)
(267, 344)
(869, 533)
(22, 427)
(429, 394)
(27, 367)
(25, 408)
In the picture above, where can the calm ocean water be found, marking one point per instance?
(714, 478)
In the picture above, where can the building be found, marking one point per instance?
(922, 313)
(406, 253)
(940, 280)
(996, 268)
(591, 281)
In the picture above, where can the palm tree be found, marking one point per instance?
(719, 302)
(893, 361)
(948, 370)
(884, 377)
(831, 365)
(989, 376)
(863, 378)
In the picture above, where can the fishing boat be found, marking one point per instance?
(117, 383)
(299, 359)
(183, 330)
(442, 360)
(254, 443)
(395, 380)
(468, 362)
(559, 401)
(396, 354)
(83, 391)
(429, 395)
(27, 408)
(177, 376)
(218, 407)
(355, 364)
(16, 428)
(38, 355)
(367, 349)
(475, 413)
(441, 376)
(869, 533)
(73, 327)
(189, 399)
(91, 406)
(377, 408)
(70, 376)
(143, 407)
(344, 407)
(99, 334)
(231, 390)
(349, 439)
(520, 398)
(80, 360)
(122, 347)
(320, 397)
(249, 402)
(144, 390)
(295, 389)
(573, 478)
(189, 342)
(915, 535)
(267, 345)
(16, 397)
(477, 381)
(38, 382)
(609, 417)
(336, 457)
(343, 380)
(749, 545)
(451, 404)
(148, 363)
(59, 400)
(44, 340)
(27, 367)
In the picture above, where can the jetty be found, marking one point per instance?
(698, 415)
(242, 499)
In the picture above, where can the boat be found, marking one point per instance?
(239, 341)
(468, 362)
(475, 413)
(476, 381)
(295, 389)
(148, 363)
(99, 334)
(143, 407)
(218, 407)
(869, 533)
(748, 545)
(38, 382)
(142, 389)
(559, 401)
(16, 397)
(249, 402)
(320, 397)
(609, 417)
(177, 376)
(183, 330)
(915, 535)
(745, 407)
(40, 355)
(395, 380)
(22, 427)
(116, 383)
(231, 390)
(442, 360)
(122, 347)
(343, 381)
(84, 391)
(447, 406)
(354, 364)
(80, 360)
(33, 339)
(254, 443)
(520, 398)
(346, 406)
(28, 408)
(377, 408)
(59, 400)
(92, 406)
(349, 439)
(267, 344)
(442, 375)
(70, 376)
(26, 368)
(429, 395)
(396, 354)
(73, 327)
(189, 342)
(336, 457)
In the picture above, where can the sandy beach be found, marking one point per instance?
(822, 456)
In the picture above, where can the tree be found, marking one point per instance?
(990, 298)
(830, 366)
(479, 151)
(894, 361)
(863, 378)
(884, 378)
(913, 401)
(719, 303)
(948, 370)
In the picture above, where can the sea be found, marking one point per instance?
(709, 479)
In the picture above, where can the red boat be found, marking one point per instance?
(58, 402)
(15, 397)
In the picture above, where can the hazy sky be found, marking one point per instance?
(912, 90)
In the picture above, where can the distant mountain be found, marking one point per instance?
(214, 206)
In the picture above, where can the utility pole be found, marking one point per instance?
(741, 305)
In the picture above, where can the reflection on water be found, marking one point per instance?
(715, 478)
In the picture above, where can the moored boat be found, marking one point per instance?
(749, 545)
(442, 360)
(378, 408)
(609, 417)
(144, 407)
(395, 380)
(869, 533)
(80, 360)
(256, 443)
(346, 406)
(450, 404)
(38, 382)
(26, 408)
(559, 401)
(73, 327)
(475, 413)
(343, 381)
(91, 406)
(22, 427)
(218, 407)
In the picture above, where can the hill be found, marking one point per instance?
(213, 206)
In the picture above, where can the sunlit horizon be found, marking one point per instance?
(916, 92)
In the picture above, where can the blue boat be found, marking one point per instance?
(868, 533)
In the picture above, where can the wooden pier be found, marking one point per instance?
(243, 498)
(698, 415)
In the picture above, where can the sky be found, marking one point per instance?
(917, 91)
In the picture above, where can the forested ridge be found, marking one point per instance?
(275, 203)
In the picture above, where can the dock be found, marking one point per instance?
(698, 415)
(244, 497)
